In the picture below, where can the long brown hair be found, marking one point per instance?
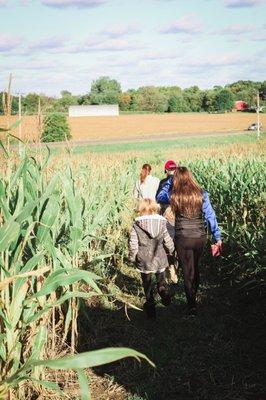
(145, 171)
(186, 197)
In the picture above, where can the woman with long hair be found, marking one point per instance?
(191, 206)
(147, 185)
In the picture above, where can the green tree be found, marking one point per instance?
(150, 99)
(30, 103)
(84, 99)
(224, 100)
(56, 128)
(208, 100)
(66, 100)
(105, 91)
(124, 101)
(177, 103)
(193, 98)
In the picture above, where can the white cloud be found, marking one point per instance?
(73, 3)
(189, 24)
(47, 44)
(259, 37)
(102, 45)
(236, 29)
(208, 62)
(243, 3)
(8, 43)
(121, 30)
(155, 55)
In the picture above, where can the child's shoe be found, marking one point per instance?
(150, 310)
(166, 298)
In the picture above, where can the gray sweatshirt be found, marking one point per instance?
(146, 246)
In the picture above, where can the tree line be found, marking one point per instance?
(148, 98)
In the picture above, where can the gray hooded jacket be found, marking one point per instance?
(146, 246)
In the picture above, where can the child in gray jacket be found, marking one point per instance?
(148, 237)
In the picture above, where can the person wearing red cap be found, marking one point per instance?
(162, 195)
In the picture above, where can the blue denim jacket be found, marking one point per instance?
(164, 195)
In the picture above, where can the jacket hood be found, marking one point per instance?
(152, 224)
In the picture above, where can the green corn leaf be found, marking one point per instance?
(75, 237)
(32, 263)
(47, 385)
(39, 342)
(65, 278)
(19, 172)
(3, 353)
(3, 147)
(67, 296)
(92, 358)
(84, 385)
(16, 308)
(48, 219)
(27, 211)
(9, 232)
(4, 208)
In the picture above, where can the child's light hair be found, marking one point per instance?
(148, 207)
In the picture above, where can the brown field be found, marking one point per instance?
(143, 125)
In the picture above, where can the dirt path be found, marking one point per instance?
(214, 356)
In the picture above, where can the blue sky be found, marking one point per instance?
(51, 45)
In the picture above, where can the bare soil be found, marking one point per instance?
(144, 126)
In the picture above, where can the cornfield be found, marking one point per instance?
(55, 227)
(64, 223)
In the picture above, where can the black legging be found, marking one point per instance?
(147, 285)
(189, 251)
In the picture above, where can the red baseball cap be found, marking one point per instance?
(170, 165)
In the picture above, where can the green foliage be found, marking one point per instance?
(193, 97)
(177, 103)
(208, 100)
(47, 230)
(224, 100)
(66, 100)
(56, 128)
(125, 100)
(150, 99)
(105, 91)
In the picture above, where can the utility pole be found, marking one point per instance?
(258, 115)
(19, 94)
(20, 125)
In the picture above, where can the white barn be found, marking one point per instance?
(105, 110)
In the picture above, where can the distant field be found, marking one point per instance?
(145, 125)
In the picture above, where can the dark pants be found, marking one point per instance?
(148, 289)
(189, 251)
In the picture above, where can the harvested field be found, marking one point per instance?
(145, 125)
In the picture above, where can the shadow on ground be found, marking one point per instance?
(216, 355)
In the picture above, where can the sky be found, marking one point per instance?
(54, 45)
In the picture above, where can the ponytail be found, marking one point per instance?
(145, 171)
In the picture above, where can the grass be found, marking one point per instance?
(181, 143)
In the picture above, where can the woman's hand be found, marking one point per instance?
(217, 248)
